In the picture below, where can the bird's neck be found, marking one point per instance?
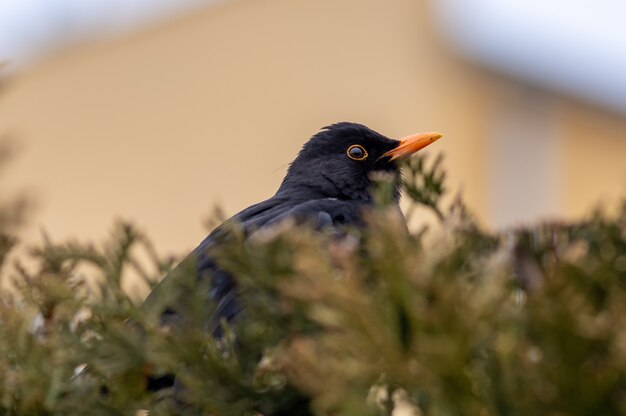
(303, 192)
(320, 187)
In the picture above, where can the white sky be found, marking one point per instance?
(577, 46)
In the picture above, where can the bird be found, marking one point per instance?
(328, 185)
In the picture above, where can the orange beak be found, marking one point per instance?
(411, 144)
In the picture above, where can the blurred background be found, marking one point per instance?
(158, 110)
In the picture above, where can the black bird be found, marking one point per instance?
(327, 185)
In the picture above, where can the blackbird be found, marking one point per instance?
(327, 185)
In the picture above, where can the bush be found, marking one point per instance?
(451, 320)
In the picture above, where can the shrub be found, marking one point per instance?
(447, 320)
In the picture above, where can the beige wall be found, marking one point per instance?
(161, 126)
(595, 158)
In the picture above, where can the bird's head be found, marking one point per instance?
(338, 161)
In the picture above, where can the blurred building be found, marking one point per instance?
(161, 123)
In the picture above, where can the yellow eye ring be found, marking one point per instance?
(356, 152)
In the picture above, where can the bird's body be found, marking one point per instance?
(327, 185)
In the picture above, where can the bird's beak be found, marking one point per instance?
(411, 144)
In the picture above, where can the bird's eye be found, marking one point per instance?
(356, 152)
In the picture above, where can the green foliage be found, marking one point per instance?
(450, 321)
